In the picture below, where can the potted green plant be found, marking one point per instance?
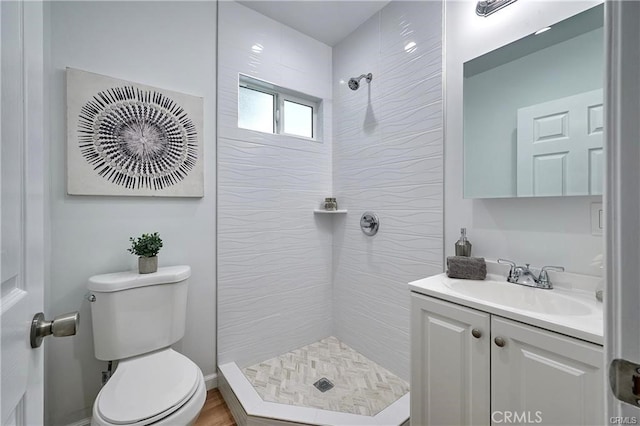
(146, 247)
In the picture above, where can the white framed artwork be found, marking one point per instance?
(125, 138)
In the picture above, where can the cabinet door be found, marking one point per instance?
(542, 377)
(449, 366)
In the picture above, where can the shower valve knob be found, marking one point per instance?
(369, 223)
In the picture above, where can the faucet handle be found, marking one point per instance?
(543, 279)
(508, 262)
(553, 268)
(512, 270)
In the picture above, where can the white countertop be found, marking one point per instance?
(588, 326)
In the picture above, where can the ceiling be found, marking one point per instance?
(328, 21)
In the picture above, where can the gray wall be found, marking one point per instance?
(168, 45)
(540, 231)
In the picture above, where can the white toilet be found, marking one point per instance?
(135, 320)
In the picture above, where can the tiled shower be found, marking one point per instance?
(274, 261)
(387, 158)
(288, 277)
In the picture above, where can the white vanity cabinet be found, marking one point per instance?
(470, 367)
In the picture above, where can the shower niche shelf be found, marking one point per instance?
(320, 211)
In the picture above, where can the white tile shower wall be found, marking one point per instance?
(388, 158)
(274, 263)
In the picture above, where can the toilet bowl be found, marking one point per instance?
(136, 319)
(162, 388)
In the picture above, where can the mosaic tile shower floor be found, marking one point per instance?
(360, 385)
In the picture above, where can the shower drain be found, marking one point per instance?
(323, 384)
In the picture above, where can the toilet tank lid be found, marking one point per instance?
(107, 283)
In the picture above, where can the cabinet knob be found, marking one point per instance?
(476, 333)
(500, 342)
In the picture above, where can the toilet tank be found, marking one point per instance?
(134, 313)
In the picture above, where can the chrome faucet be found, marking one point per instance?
(523, 275)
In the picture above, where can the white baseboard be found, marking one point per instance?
(83, 422)
(210, 381)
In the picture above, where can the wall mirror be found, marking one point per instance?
(533, 116)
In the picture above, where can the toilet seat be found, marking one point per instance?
(148, 388)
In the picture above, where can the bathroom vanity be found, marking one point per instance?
(492, 352)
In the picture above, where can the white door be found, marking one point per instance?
(544, 377)
(622, 194)
(560, 148)
(21, 210)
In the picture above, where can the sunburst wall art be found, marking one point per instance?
(125, 138)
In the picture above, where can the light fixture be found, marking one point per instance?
(542, 30)
(487, 7)
(257, 48)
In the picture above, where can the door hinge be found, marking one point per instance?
(624, 379)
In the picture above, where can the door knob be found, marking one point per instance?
(499, 341)
(476, 333)
(62, 325)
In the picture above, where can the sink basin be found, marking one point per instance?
(541, 301)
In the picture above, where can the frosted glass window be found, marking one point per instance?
(298, 119)
(255, 110)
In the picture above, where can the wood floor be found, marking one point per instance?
(215, 411)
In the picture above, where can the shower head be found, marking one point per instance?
(354, 82)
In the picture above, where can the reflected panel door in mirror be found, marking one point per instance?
(559, 148)
(568, 60)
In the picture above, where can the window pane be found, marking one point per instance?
(255, 110)
(298, 119)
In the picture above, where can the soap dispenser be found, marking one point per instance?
(463, 246)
